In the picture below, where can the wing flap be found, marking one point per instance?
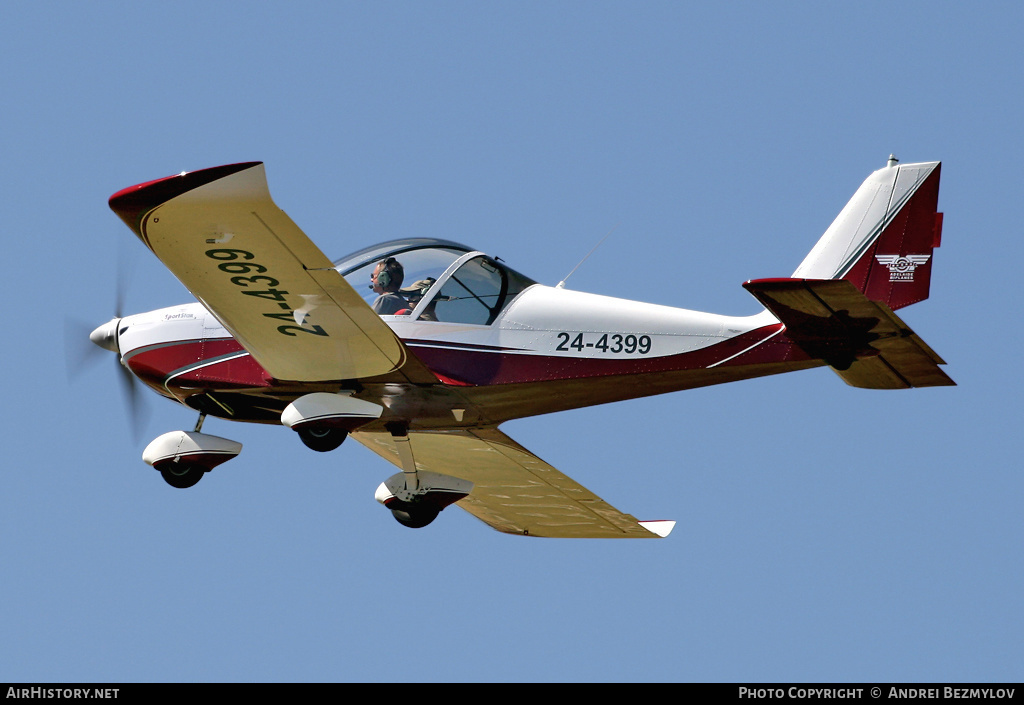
(867, 344)
(514, 491)
(220, 233)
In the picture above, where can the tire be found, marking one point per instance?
(322, 440)
(182, 475)
(414, 516)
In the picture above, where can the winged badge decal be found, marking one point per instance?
(901, 267)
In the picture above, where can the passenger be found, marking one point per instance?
(415, 293)
(386, 280)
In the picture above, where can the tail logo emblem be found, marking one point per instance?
(901, 268)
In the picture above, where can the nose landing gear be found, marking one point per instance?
(184, 457)
(182, 475)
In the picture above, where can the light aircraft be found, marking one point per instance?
(282, 335)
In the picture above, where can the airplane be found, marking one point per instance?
(281, 334)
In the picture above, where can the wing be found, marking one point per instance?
(243, 258)
(514, 491)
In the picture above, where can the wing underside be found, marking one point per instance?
(243, 258)
(514, 491)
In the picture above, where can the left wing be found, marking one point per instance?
(220, 233)
(514, 491)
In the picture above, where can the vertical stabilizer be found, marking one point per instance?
(882, 241)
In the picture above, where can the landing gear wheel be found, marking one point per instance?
(322, 440)
(182, 475)
(414, 515)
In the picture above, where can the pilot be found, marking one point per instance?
(386, 280)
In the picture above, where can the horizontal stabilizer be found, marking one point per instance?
(863, 340)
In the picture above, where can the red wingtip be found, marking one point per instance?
(131, 204)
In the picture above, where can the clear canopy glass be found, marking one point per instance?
(475, 293)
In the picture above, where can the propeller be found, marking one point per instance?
(80, 354)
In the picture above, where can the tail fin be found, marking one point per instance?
(875, 257)
(882, 241)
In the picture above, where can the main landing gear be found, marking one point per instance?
(322, 419)
(415, 497)
(184, 457)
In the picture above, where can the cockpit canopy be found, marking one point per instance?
(444, 281)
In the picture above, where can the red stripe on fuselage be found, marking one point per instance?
(193, 363)
(476, 367)
(185, 366)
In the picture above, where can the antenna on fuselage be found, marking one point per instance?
(561, 284)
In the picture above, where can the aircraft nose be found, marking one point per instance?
(106, 335)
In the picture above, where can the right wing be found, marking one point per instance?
(514, 491)
(222, 236)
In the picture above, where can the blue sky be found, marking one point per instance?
(825, 533)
